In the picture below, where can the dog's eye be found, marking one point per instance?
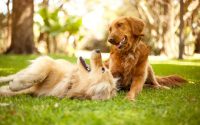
(103, 69)
(119, 24)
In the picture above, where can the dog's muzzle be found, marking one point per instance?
(119, 45)
(112, 41)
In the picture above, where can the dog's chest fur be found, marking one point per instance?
(125, 65)
(122, 66)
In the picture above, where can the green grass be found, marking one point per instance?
(171, 107)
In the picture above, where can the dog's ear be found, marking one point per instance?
(137, 26)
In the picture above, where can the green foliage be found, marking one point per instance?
(72, 24)
(52, 22)
(152, 107)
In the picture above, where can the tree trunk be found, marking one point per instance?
(181, 38)
(22, 27)
(8, 23)
(170, 46)
(197, 44)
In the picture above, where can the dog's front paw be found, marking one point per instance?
(130, 96)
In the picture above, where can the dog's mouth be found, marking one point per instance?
(83, 63)
(122, 43)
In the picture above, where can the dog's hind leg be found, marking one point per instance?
(5, 91)
(151, 79)
(34, 74)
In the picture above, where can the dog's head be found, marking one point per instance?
(124, 31)
(98, 80)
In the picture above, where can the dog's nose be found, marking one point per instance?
(97, 51)
(111, 40)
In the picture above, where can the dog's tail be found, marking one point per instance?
(171, 81)
(4, 79)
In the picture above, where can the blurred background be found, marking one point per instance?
(77, 26)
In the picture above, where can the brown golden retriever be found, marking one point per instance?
(129, 58)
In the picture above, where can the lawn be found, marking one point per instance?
(177, 106)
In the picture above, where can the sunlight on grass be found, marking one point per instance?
(178, 62)
(6, 69)
(189, 60)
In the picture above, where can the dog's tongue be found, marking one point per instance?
(121, 43)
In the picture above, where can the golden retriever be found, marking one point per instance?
(129, 58)
(59, 78)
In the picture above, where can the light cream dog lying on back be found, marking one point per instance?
(49, 77)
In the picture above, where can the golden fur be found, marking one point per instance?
(129, 58)
(49, 77)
